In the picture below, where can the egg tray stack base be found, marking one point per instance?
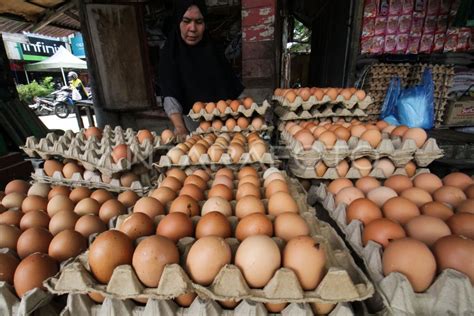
(450, 294)
(241, 111)
(265, 129)
(398, 151)
(94, 154)
(82, 305)
(141, 187)
(286, 114)
(344, 281)
(312, 102)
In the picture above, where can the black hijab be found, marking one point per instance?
(195, 73)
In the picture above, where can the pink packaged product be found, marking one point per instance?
(368, 27)
(441, 24)
(390, 44)
(438, 43)
(433, 7)
(404, 24)
(380, 25)
(378, 43)
(417, 24)
(420, 6)
(451, 42)
(431, 22)
(366, 45)
(426, 43)
(413, 44)
(370, 8)
(384, 6)
(402, 43)
(407, 6)
(395, 7)
(464, 38)
(392, 25)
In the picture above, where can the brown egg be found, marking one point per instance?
(381, 125)
(363, 210)
(222, 191)
(34, 219)
(281, 202)
(175, 226)
(357, 130)
(320, 168)
(250, 179)
(449, 195)
(32, 271)
(9, 236)
(400, 210)
(342, 168)
(51, 166)
(35, 239)
(145, 134)
(13, 200)
(11, 217)
(109, 250)
(462, 224)
(399, 130)
(213, 224)
(455, 252)
(70, 169)
(332, 93)
(210, 107)
(150, 258)
(40, 189)
(128, 198)
(185, 300)
(466, 206)
(247, 189)
(110, 209)
(338, 184)
(290, 96)
(276, 186)
(417, 196)
(203, 174)
(363, 165)
(427, 229)
(197, 181)
(360, 94)
(217, 204)
(176, 153)
(373, 137)
(137, 225)
(272, 177)
(249, 205)
(416, 134)
(163, 195)
(199, 267)
(322, 308)
(365, 184)
(306, 138)
(318, 131)
(436, 209)
(67, 244)
(290, 225)
(197, 107)
(398, 183)
(120, 152)
(307, 258)
(62, 220)
(149, 206)
(58, 190)
(34, 203)
(382, 231)
(386, 166)
(253, 224)
(19, 186)
(128, 178)
(93, 131)
(225, 172)
(258, 257)
(101, 195)
(177, 174)
(89, 224)
(399, 256)
(192, 191)
(348, 195)
(8, 265)
(79, 193)
(185, 204)
(428, 182)
(469, 191)
(172, 183)
(458, 179)
(328, 139)
(87, 206)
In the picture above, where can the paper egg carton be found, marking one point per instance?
(78, 304)
(313, 102)
(451, 292)
(241, 111)
(141, 187)
(286, 114)
(236, 129)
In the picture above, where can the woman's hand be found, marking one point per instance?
(181, 132)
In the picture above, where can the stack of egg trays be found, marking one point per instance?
(344, 281)
(450, 294)
(312, 102)
(460, 154)
(94, 154)
(211, 130)
(288, 114)
(398, 151)
(241, 111)
(141, 187)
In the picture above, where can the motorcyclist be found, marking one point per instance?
(76, 83)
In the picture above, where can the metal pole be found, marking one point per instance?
(26, 74)
(64, 77)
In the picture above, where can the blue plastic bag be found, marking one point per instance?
(413, 107)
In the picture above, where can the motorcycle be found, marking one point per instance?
(60, 103)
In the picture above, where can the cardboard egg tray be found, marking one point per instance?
(80, 304)
(312, 102)
(343, 282)
(211, 130)
(141, 187)
(241, 111)
(398, 151)
(451, 292)
(463, 154)
(286, 114)
(92, 153)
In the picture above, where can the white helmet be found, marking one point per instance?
(72, 75)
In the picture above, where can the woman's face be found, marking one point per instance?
(192, 26)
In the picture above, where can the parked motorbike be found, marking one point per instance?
(60, 103)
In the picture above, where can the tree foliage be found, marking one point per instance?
(301, 38)
(27, 92)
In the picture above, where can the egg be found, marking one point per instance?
(79, 193)
(342, 168)
(322, 308)
(373, 137)
(35, 239)
(34, 219)
(127, 178)
(258, 257)
(318, 131)
(332, 93)
(137, 225)
(217, 204)
(87, 206)
(19, 186)
(229, 304)
(185, 204)
(320, 168)
(34, 203)
(363, 210)
(110, 209)
(450, 195)
(67, 244)
(150, 258)
(89, 224)
(469, 191)
(70, 169)
(417, 196)
(11, 217)
(306, 139)
(307, 258)
(221, 106)
(398, 183)
(213, 224)
(346, 94)
(185, 300)
(197, 107)
(163, 195)
(466, 206)
(247, 189)
(257, 123)
(253, 224)
(149, 206)
(338, 184)
(101, 195)
(290, 96)
(360, 94)
(348, 195)
(249, 205)
(455, 252)
(58, 190)
(9, 235)
(411, 258)
(357, 130)
(120, 152)
(427, 229)
(220, 190)
(175, 226)
(206, 257)
(62, 220)
(93, 131)
(400, 210)
(436, 209)
(196, 180)
(462, 224)
(52, 166)
(193, 191)
(418, 135)
(342, 133)
(13, 200)
(399, 131)
(363, 165)
(328, 138)
(145, 134)
(386, 166)
(382, 231)
(247, 102)
(171, 183)
(8, 265)
(365, 184)
(290, 225)
(281, 202)
(40, 189)
(32, 271)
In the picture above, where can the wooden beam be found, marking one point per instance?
(72, 15)
(50, 16)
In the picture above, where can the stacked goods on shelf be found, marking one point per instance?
(242, 238)
(41, 227)
(230, 116)
(325, 149)
(113, 159)
(225, 149)
(378, 76)
(307, 103)
(415, 237)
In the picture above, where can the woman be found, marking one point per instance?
(191, 68)
(76, 83)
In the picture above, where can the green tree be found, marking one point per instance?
(27, 92)
(301, 38)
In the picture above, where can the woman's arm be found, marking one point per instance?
(174, 111)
